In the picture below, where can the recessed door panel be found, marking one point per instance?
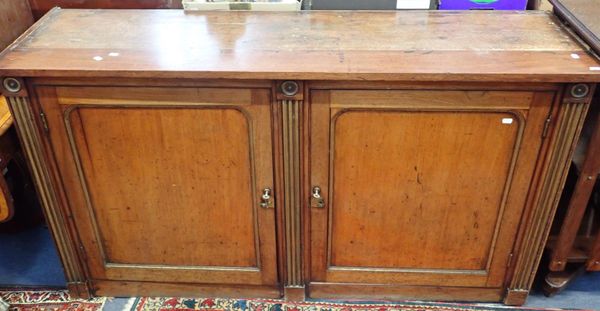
(159, 179)
(166, 184)
(419, 187)
(409, 189)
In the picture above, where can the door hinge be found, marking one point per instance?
(44, 122)
(83, 252)
(509, 261)
(547, 123)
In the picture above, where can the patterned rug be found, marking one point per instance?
(46, 300)
(188, 304)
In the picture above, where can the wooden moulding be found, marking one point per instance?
(289, 95)
(165, 289)
(30, 135)
(569, 115)
(398, 292)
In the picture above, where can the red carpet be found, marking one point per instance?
(44, 300)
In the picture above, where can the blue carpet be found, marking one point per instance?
(583, 293)
(29, 258)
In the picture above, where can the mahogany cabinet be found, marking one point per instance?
(422, 187)
(165, 181)
(299, 154)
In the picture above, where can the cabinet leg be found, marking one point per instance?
(556, 282)
(79, 290)
(295, 293)
(516, 297)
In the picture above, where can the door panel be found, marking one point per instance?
(168, 182)
(191, 177)
(447, 187)
(418, 185)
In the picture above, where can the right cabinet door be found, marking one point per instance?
(423, 188)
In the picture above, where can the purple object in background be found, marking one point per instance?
(483, 4)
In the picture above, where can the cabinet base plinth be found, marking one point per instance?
(516, 297)
(79, 290)
(160, 289)
(341, 291)
(295, 293)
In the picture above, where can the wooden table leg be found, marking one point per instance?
(578, 202)
(593, 263)
(556, 282)
(7, 150)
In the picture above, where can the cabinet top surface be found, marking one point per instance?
(339, 45)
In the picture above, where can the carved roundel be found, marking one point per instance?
(12, 85)
(290, 88)
(580, 90)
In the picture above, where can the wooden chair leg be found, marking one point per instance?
(593, 263)
(6, 201)
(556, 282)
(578, 202)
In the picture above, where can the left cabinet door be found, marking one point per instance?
(165, 184)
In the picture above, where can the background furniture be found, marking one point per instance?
(364, 5)
(483, 5)
(7, 152)
(17, 14)
(40, 7)
(569, 246)
(331, 162)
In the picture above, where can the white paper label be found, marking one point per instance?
(412, 4)
(507, 120)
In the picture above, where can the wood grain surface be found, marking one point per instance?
(422, 188)
(441, 183)
(41, 7)
(586, 11)
(437, 45)
(6, 121)
(581, 16)
(166, 187)
(15, 18)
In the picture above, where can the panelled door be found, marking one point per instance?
(423, 188)
(167, 184)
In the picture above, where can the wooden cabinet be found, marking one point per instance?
(166, 184)
(421, 187)
(254, 154)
